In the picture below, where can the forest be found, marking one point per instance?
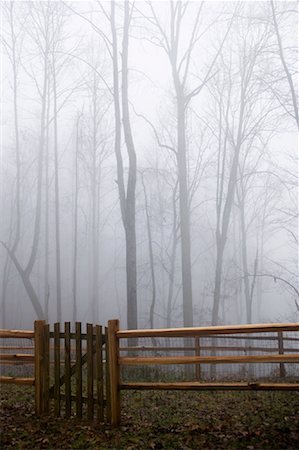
(148, 167)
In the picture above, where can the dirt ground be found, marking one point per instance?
(160, 420)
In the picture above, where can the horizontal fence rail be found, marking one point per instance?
(208, 331)
(127, 361)
(283, 349)
(69, 368)
(17, 358)
(87, 368)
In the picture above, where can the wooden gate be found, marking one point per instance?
(71, 371)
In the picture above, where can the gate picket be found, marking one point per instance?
(57, 369)
(89, 331)
(99, 374)
(67, 356)
(46, 393)
(78, 371)
(92, 378)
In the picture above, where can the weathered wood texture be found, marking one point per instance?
(57, 369)
(85, 365)
(39, 365)
(67, 370)
(89, 371)
(17, 357)
(16, 380)
(46, 369)
(78, 370)
(197, 386)
(114, 371)
(99, 374)
(25, 334)
(206, 331)
(133, 361)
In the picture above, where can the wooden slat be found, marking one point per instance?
(78, 371)
(108, 390)
(89, 329)
(114, 372)
(18, 347)
(73, 336)
(208, 348)
(16, 380)
(197, 386)
(57, 369)
(205, 331)
(73, 370)
(99, 373)
(197, 353)
(84, 399)
(17, 357)
(46, 382)
(132, 361)
(24, 334)
(67, 361)
(17, 363)
(38, 365)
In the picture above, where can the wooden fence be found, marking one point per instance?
(63, 372)
(80, 372)
(117, 361)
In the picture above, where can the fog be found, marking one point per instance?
(149, 162)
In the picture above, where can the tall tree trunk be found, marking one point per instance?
(151, 254)
(75, 255)
(127, 199)
(94, 208)
(130, 225)
(172, 260)
(57, 199)
(184, 209)
(248, 299)
(47, 188)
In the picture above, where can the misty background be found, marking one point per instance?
(149, 162)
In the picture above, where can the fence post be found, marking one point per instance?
(114, 374)
(39, 365)
(282, 369)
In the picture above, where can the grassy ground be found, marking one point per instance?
(160, 420)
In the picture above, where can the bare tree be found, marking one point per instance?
(180, 61)
(12, 46)
(238, 125)
(288, 71)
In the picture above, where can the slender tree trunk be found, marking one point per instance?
(127, 200)
(130, 226)
(151, 254)
(285, 66)
(223, 219)
(184, 210)
(57, 199)
(25, 273)
(247, 296)
(16, 128)
(75, 255)
(172, 260)
(5, 278)
(94, 209)
(47, 188)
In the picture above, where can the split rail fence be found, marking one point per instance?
(118, 362)
(82, 373)
(69, 368)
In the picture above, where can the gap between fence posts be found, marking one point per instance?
(282, 370)
(39, 365)
(114, 372)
